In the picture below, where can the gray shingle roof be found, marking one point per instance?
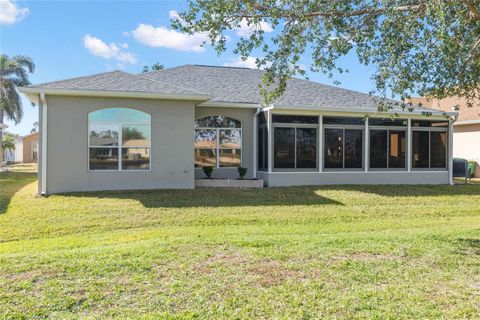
(118, 81)
(241, 85)
(222, 84)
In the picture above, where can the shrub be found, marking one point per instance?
(208, 171)
(242, 172)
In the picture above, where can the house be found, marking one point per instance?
(11, 156)
(30, 148)
(118, 130)
(466, 130)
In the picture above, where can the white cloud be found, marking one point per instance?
(10, 13)
(240, 63)
(246, 29)
(108, 51)
(164, 37)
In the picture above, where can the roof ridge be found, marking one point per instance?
(177, 67)
(75, 78)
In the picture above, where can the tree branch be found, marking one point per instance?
(337, 13)
(473, 9)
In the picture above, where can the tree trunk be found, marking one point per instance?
(1, 138)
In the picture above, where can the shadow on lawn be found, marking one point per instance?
(409, 190)
(217, 197)
(469, 246)
(10, 183)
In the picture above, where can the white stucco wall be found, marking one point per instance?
(466, 143)
(67, 146)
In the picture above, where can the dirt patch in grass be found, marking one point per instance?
(261, 272)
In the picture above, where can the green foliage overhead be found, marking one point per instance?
(8, 141)
(429, 48)
(13, 73)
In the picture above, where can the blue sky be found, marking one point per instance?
(74, 38)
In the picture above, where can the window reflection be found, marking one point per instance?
(106, 128)
(215, 144)
(103, 135)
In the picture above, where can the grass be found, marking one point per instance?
(373, 252)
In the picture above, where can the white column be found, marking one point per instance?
(320, 144)
(270, 142)
(450, 151)
(409, 145)
(367, 146)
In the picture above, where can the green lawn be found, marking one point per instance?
(381, 252)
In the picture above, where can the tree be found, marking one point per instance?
(425, 47)
(8, 142)
(154, 67)
(13, 73)
(35, 127)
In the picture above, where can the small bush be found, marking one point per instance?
(208, 171)
(242, 172)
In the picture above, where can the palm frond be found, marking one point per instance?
(10, 102)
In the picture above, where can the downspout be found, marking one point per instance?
(43, 130)
(450, 149)
(255, 141)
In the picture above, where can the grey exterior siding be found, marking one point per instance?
(245, 115)
(67, 146)
(281, 179)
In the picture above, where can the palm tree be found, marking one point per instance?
(13, 73)
(8, 142)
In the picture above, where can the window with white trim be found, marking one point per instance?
(388, 143)
(429, 144)
(343, 141)
(119, 139)
(218, 142)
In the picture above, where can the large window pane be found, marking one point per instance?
(230, 139)
(119, 115)
(306, 148)
(135, 158)
(428, 123)
(343, 120)
(387, 122)
(438, 144)
(397, 149)
(278, 118)
(284, 148)
(230, 157)
(136, 135)
(217, 122)
(103, 134)
(333, 148)
(205, 157)
(378, 148)
(206, 138)
(420, 147)
(103, 158)
(262, 148)
(353, 148)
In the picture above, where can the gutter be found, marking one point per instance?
(255, 141)
(113, 94)
(465, 122)
(361, 110)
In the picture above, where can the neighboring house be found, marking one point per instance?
(30, 148)
(466, 130)
(117, 130)
(17, 154)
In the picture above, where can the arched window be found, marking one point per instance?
(218, 142)
(119, 139)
